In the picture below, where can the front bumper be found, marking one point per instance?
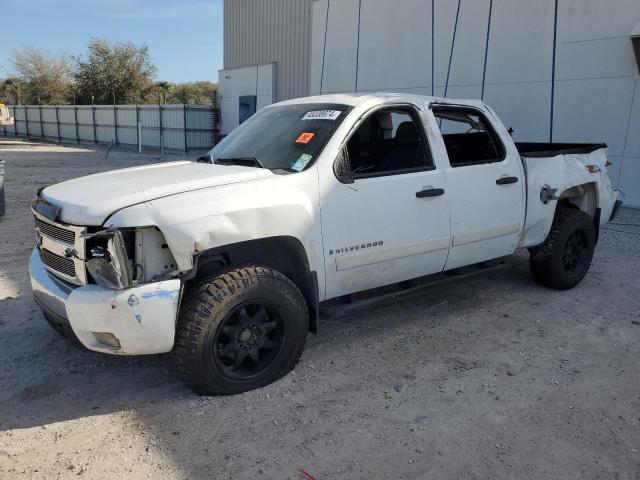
(133, 321)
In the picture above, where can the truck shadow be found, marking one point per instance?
(47, 380)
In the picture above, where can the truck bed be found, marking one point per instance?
(542, 150)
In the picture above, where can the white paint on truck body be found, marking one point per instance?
(89, 200)
(486, 218)
(196, 221)
(356, 236)
(563, 172)
(142, 319)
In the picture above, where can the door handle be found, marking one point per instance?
(430, 192)
(506, 180)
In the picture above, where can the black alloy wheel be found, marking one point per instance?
(564, 258)
(248, 339)
(240, 329)
(575, 252)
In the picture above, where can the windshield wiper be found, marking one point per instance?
(241, 161)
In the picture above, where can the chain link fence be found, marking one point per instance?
(178, 127)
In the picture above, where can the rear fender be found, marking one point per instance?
(565, 179)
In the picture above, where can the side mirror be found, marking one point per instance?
(342, 167)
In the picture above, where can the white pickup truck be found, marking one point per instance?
(226, 261)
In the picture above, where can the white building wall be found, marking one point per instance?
(369, 45)
(258, 80)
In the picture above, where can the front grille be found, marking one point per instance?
(55, 232)
(57, 263)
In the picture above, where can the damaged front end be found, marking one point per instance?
(122, 258)
(108, 262)
(128, 300)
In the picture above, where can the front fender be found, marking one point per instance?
(202, 220)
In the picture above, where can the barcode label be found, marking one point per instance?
(322, 115)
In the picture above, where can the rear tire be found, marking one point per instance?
(240, 330)
(564, 258)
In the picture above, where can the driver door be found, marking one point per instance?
(385, 215)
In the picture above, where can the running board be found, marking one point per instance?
(346, 305)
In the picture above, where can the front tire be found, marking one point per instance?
(240, 330)
(564, 258)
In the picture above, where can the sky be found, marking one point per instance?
(184, 36)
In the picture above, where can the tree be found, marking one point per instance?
(114, 72)
(160, 92)
(45, 78)
(13, 91)
(201, 92)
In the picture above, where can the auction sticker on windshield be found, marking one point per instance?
(302, 162)
(305, 137)
(322, 115)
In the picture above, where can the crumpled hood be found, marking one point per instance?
(90, 200)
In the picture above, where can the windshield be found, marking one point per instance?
(287, 137)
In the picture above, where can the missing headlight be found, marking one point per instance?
(108, 261)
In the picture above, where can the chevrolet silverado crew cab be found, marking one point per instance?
(226, 261)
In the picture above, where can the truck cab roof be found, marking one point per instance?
(372, 98)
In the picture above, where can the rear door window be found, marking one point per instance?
(468, 136)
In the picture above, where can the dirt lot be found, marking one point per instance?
(489, 377)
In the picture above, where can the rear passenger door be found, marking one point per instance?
(485, 187)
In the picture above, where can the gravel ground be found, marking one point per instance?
(490, 377)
